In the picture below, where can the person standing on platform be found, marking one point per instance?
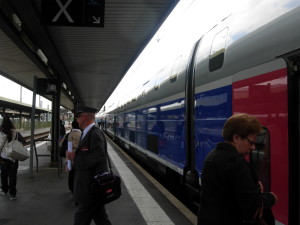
(231, 191)
(62, 130)
(73, 142)
(9, 166)
(89, 159)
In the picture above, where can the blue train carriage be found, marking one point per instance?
(244, 64)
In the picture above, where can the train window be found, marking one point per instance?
(157, 82)
(175, 68)
(149, 85)
(156, 85)
(260, 158)
(216, 57)
(137, 93)
(162, 75)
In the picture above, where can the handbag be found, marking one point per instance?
(3, 138)
(262, 216)
(258, 216)
(106, 186)
(16, 150)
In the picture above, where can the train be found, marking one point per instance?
(248, 63)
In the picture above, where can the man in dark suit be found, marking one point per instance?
(89, 160)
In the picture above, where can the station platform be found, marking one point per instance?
(44, 199)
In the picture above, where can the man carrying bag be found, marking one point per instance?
(89, 159)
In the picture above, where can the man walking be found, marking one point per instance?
(89, 159)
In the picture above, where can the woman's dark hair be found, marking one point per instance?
(242, 125)
(75, 124)
(6, 127)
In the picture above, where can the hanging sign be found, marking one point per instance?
(46, 86)
(84, 13)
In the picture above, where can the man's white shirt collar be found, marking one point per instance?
(86, 130)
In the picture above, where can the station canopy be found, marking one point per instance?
(16, 108)
(86, 45)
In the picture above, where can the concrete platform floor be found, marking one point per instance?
(44, 198)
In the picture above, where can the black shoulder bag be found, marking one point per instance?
(262, 216)
(107, 186)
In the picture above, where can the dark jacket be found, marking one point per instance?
(90, 159)
(230, 191)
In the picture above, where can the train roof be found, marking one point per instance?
(247, 42)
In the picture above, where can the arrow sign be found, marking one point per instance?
(96, 20)
(94, 13)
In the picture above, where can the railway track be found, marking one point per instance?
(36, 136)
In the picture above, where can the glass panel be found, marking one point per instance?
(216, 57)
(174, 72)
(260, 158)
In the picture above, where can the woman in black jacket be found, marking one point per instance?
(231, 191)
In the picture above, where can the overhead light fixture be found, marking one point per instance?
(40, 53)
(64, 86)
(16, 21)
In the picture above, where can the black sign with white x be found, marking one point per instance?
(86, 13)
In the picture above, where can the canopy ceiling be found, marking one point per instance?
(88, 61)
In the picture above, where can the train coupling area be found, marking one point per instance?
(45, 199)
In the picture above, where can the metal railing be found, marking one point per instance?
(54, 157)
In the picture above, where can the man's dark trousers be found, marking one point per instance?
(88, 212)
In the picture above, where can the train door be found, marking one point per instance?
(212, 95)
(293, 61)
(263, 91)
(190, 173)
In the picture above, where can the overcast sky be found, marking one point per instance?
(11, 90)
